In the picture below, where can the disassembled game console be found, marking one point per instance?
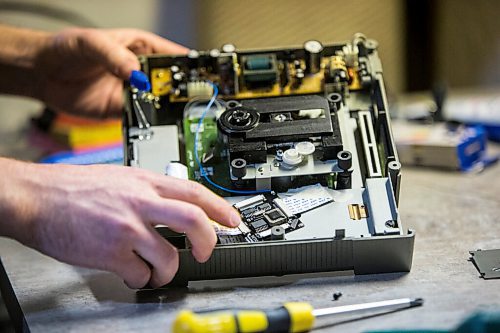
(298, 139)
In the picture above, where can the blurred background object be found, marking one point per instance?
(256, 24)
(467, 50)
(453, 43)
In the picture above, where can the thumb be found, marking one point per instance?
(98, 46)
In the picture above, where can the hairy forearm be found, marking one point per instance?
(19, 51)
(16, 202)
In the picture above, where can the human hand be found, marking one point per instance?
(81, 71)
(103, 217)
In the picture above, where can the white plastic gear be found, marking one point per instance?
(292, 157)
(305, 148)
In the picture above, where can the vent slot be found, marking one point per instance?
(369, 144)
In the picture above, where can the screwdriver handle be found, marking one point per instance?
(291, 317)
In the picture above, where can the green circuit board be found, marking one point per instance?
(209, 150)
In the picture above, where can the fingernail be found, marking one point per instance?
(235, 218)
(202, 258)
(131, 287)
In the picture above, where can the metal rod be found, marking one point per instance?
(391, 304)
(142, 121)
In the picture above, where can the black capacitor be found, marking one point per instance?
(214, 59)
(193, 58)
(313, 50)
(225, 69)
(177, 78)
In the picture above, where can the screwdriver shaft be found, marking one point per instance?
(391, 304)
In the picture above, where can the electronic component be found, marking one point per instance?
(260, 70)
(297, 139)
(199, 89)
(357, 212)
(303, 128)
(336, 75)
(260, 216)
(313, 50)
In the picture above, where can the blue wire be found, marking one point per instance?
(200, 166)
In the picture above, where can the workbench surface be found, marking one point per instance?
(452, 214)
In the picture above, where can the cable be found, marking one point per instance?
(196, 101)
(200, 166)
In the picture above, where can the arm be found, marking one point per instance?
(18, 53)
(96, 216)
(103, 217)
(77, 70)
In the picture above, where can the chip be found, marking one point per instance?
(274, 215)
(260, 223)
(265, 206)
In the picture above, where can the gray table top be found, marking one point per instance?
(452, 213)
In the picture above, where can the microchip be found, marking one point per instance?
(274, 215)
(265, 206)
(248, 211)
(260, 223)
(259, 214)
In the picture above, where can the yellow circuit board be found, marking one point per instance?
(161, 81)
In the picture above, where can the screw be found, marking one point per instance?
(336, 295)
(391, 224)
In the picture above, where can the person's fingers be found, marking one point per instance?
(147, 42)
(101, 98)
(160, 254)
(216, 207)
(162, 45)
(185, 218)
(133, 270)
(115, 102)
(102, 48)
